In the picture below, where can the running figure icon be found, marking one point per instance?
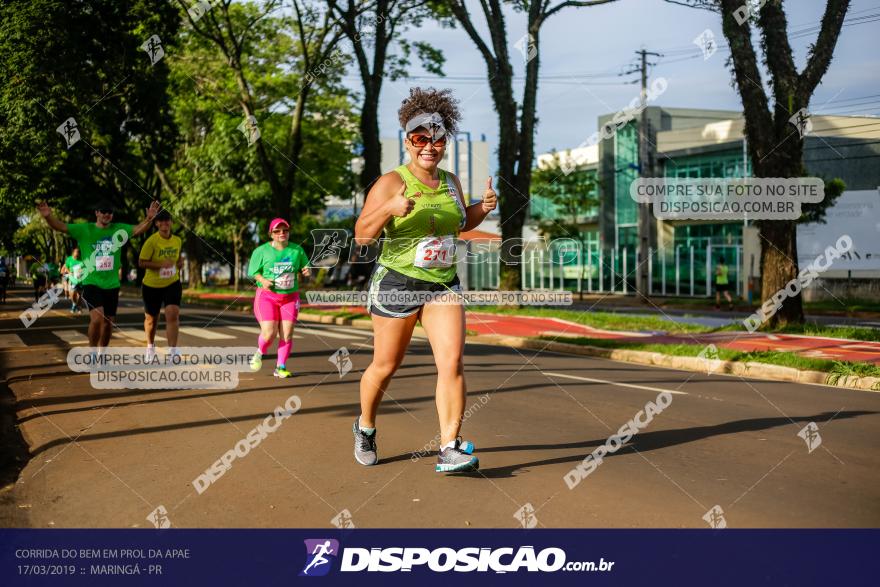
(319, 559)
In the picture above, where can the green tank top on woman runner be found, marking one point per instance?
(422, 244)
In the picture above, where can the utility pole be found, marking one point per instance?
(645, 224)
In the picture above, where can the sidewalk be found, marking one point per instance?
(528, 326)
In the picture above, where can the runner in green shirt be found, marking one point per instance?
(101, 242)
(276, 266)
(722, 284)
(421, 208)
(73, 269)
(53, 273)
(38, 272)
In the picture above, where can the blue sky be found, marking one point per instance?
(603, 39)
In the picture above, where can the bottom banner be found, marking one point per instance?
(434, 557)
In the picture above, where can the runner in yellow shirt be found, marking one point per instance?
(722, 284)
(160, 256)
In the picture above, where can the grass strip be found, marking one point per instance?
(837, 369)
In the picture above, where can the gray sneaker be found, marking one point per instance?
(364, 445)
(455, 459)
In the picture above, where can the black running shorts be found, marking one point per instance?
(394, 295)
(98, 297)
(154, 297)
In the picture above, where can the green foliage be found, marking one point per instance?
(816, 212)
(216, 180)
(169, 129)
(81, 60)
(574, 196)
(431, 58)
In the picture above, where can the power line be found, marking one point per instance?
(795, 34)
(844, 159)
(841, 145)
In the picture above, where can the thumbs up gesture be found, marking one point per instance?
(400, 205)
(490, 198)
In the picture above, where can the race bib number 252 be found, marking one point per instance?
(104, 263)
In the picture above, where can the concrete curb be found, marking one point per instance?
(709, 366)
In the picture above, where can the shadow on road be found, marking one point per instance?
(643, 442)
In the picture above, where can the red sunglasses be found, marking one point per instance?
(422, 140)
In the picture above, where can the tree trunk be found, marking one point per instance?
(293, 153)
(193, 247)
(370, 136)
(513, 205)
(778, 267)
(779, 264)
(236, 257)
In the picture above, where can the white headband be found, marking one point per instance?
(432, 122)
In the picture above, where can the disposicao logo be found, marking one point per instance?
(320, 553)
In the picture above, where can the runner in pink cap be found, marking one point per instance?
(275, 266)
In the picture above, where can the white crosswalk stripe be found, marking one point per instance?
(11, 341)
(252, 330)
(204, 333)
(134, 334)
(245, 329)
(351, 331)
(71, 336)
(323, 333)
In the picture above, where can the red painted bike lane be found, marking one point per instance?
(531, 326)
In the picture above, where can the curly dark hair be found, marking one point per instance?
(428, 101)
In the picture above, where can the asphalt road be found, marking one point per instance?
(108, 458)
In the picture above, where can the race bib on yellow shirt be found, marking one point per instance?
(167, 272)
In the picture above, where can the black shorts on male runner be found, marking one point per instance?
(98, 297)
(154, 297)
(394, 295)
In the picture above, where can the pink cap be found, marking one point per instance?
(276, 222)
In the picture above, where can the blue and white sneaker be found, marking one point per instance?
(455, 459)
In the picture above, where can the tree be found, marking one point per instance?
(373, 26)
(516, 122)
(232, 30)
(216, 186)
(84, 61)
(573, 195)
(775, 144)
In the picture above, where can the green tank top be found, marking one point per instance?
(721, 276)
(422, 244)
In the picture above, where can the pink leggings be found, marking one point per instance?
(271, 306)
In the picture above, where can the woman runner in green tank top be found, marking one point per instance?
(421, 210)
(422, 244)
